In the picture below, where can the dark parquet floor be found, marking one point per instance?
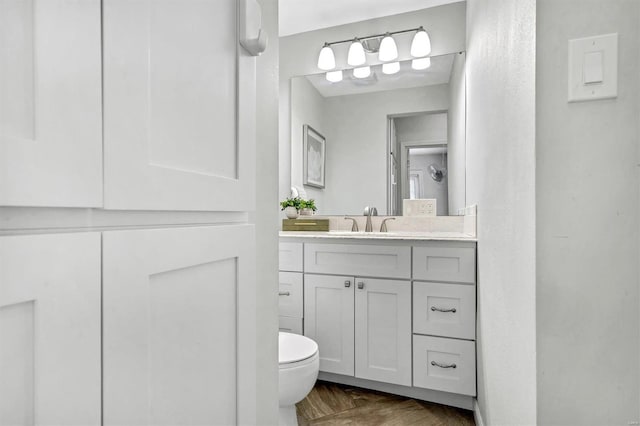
(334, 404)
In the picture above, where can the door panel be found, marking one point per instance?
(50, 329)
(328, 319)
(179, 326)
(179, 107)
(383, 330)
(50, 103)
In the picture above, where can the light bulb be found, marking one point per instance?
(326, 58)
(421, 64)
(334, 76)
(421, 44)
(356, 54)
(391, 67)
(362, 72)
(388, 49)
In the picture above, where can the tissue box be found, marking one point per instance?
(320, 225)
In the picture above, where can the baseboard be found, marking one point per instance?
(445, 398)
(477, 415)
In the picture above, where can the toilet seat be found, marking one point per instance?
(295, 350)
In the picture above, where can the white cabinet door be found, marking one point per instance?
(179, 326)
(50, 103)
(383, 330)
(179, 107)
(50, 329)
(328, 319)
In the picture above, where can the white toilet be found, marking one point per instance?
(299, 364)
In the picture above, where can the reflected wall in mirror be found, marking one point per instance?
(388, 137)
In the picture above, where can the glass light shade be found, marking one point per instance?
(356, 54)
(421, 64)
(326, 58)
(362, 72)
(334, 76)
(421, 44)
(388, 49)
(391, 67)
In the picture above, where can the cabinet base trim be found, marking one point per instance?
(477, 414)
(446, 398)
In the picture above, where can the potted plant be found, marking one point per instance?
(290, 206)
(307, 207)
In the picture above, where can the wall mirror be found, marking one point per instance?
(386, 137)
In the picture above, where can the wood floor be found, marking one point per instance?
(333, 404)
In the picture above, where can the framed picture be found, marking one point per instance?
(314, 157)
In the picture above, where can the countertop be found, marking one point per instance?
(410, 236)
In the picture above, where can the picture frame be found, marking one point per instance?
(314, 161)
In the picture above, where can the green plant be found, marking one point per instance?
(291, 202)
(308, 204)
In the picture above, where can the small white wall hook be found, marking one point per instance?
(252, 37)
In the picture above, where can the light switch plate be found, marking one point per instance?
(420, 207)
(593, 68)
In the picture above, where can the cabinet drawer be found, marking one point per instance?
(291, 257)
(442, 364)
(358, 259)
(447, 310)
(449, 264)
(290, 294)
(290, 325)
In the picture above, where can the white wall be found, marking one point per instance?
(266, 220)
(587, 223)
(431, 188)
(500, 65)
(423, 128)
(299, 56)
(357, 144)
(307, 107)
(456, 144)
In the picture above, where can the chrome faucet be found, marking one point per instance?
(368, 212)
(354, 226)
(383, 226)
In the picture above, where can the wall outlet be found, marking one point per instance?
(421, 207)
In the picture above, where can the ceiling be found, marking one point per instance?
(297, 16)
(438, 73)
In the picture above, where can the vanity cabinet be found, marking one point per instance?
(392, 315)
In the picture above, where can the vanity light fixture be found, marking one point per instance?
(421, 63)
(388, 49)
(384, 44)
(326, 59)
(391, 67)
(356, 54)
(421, 44)
(334, 76)
(362, 72)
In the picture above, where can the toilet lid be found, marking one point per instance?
(294, 348)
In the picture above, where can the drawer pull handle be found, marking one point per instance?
(284, 293)
(347, 283)
(433, 308)
(437, 364)
(361, 285)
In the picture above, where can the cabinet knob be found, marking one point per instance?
(361, 285)
(347, 283)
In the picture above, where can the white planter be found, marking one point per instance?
(291, 212)
(306, 212)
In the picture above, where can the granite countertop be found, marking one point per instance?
(392, 235)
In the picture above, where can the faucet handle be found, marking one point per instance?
(354, 227)
(383, 226)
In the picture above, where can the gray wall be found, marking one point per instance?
(587, 223)
(299, 56)
(267, 223)
(500, 65)
(456, 145)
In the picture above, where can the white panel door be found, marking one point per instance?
(383, 330)
(179, 326)
(328, 319)
(179, 107)
(50, 103)
(50, 329)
